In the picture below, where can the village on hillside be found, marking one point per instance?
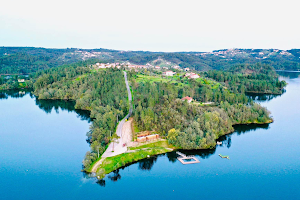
(166, 71)
(158, 73)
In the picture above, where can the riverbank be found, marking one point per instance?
(133, 154)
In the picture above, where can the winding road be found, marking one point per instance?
(118, 145)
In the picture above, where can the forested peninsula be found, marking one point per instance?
(219, 102)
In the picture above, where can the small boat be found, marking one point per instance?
(219, 143)
(224, 156)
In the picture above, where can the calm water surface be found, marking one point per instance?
(42, 144)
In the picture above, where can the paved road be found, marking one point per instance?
(118, 146)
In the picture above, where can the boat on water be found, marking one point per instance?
(224, 156)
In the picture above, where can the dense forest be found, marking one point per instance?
(24, 60)
(158, 107)
(256, 78)
(156, 99)
(102, 92)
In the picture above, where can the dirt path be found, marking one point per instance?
(127, 132)
(95, 167)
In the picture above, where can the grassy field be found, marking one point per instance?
(161, 143)
(113, 163)
(175, 79)
(170, 79)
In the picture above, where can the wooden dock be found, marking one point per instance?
(183, 159)
(224, 156)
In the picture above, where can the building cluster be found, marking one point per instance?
(107, 65)
(136, 67)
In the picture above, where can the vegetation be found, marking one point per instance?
(24, 60)
(250, 78)
(158, 107)
(112, 163)
(160, 143)
(157, 104)
(101, 92)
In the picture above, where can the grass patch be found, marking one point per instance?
(80, 77)
(161, 143)
(91, 166)
(22, 85)
(159, 78)
(113, 163)
(135, 127)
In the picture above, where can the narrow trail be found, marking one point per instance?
(118, 145)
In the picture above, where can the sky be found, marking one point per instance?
(156, 25)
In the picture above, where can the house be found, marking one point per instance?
(189, 99)
(157, 67)
(186, 69)
(169, 73)
(194, 76)
(21, 80)
(147, 138)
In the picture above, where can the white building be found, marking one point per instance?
(169, 73)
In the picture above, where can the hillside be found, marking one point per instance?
(24, 60)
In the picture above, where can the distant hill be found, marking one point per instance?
(30, 59)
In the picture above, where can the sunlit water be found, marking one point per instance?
(42, 144)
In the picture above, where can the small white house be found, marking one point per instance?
(194, 76)
(169, 73)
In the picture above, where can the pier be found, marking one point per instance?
(184, 159)
(224, 156)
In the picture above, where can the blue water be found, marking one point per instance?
(42, 146)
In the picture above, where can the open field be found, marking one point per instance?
(113, 163)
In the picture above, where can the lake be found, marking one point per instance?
(42, 144)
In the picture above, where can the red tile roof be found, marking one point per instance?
(187, 98)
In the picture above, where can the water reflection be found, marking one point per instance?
(147, 164)
(264, 97)
(101, 182)
(287, 74)
(115, 176)
(14, 93)
(49, 105)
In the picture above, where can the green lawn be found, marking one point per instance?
(161, 143)
(113, 163)
(159, 78)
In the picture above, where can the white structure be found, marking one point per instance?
(169, 73)
(194, 76)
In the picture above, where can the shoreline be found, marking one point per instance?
(100, 173)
